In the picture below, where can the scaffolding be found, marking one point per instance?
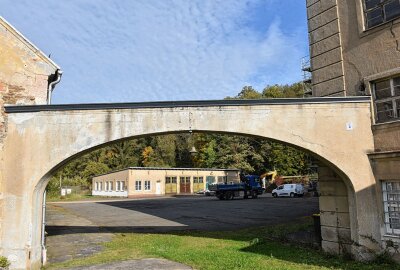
(306, 69)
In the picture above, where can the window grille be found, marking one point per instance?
(391, 206)
(111, 186)
(184, 179)
(138, 185)
(377, 12)
(147, 185)
(197, 179)
(387, 99)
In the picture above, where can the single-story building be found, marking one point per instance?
(140, 181)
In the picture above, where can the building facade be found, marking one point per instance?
(25, 76)
(355, 50)
(140, 182)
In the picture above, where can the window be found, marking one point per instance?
(170, 180)
(222, 179)
(138, 185)
(387, 99)
(391, 204)
(119, 185)
(110, 187)
(198, 179)
(147, 185)
(100, 186)
(377, 12)
(184, 179)
(96, 186)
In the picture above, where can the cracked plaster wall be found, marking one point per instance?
(24, 74)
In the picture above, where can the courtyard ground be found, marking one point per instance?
(198, 232)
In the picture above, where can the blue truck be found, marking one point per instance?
(249, 186)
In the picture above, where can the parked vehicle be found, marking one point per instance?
(288, 190)
(208, 192)
(249, 186)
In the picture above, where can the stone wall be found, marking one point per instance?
(24, 75)
(334, 209)
(325, 48)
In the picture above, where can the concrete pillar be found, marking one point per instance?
(334, 210)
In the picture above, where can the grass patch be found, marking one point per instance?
(71, 197)
(241, 249)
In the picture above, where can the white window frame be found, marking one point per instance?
(388, 215)
(147, 185)
(138, 185)
(122, 186)
(111, 186)
(393, 98)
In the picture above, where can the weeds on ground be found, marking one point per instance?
(4, 263)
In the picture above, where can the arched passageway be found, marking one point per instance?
(336, 130)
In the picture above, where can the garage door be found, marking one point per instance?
(170, 185)
(198, 183)
(184, 182)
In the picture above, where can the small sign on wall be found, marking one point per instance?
(349, 126)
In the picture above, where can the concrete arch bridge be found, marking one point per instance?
(337, 131)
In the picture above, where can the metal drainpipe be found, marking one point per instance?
(50, 89)
(44, 250)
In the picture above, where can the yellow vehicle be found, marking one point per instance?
(268, 178)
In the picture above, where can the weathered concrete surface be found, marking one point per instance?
(71, 244)
(338, 133)
(24, 76)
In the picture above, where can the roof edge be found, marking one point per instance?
(184, 103)
(165, 168)
(27, 42)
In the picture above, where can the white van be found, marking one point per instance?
(289, 190)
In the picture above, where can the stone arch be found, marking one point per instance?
(319, 128)
(336, 231)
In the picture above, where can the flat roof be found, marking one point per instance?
(170, 169)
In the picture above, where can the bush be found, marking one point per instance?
(4, 263)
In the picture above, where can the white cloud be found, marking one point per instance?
(159, 50)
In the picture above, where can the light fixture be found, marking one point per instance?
(193, 150)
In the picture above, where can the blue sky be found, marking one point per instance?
(148, 50)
